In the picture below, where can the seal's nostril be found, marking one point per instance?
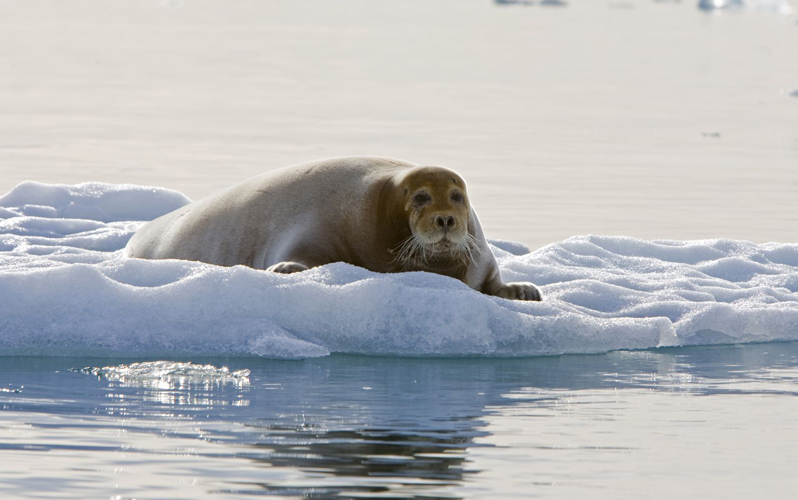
(446, 222)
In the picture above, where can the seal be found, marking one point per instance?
(383, 214)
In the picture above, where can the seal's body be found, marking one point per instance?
(382, 214)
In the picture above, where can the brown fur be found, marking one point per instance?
(382, 214)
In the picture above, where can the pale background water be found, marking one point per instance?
(651, 119)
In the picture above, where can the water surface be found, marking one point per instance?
(708, 422)
(642, 118)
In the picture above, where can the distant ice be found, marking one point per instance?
(547, 3)
(513, 2)
(777, 6)
(66, 289)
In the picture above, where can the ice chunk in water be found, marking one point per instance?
(67, 289)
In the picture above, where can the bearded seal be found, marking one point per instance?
(383, 214)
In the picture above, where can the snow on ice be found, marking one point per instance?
(67, 289)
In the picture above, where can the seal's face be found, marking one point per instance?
(436, 206)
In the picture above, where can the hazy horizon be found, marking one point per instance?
(648, 119)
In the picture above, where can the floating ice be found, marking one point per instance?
(546, 3)
(66, 289)
(777, 6)
(95, 201)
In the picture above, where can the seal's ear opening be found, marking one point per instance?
(405, 191)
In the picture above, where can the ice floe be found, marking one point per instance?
(777, 6)
(67, 289)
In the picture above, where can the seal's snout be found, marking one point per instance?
(445, 222)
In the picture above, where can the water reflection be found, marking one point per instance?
(174, 383)
(369, 459)
(343, 426)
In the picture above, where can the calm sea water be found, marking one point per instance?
(710, 422)
(644, 118)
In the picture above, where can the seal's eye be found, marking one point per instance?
(457, 197)
(421, 198)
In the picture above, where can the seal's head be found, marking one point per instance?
(436, 207)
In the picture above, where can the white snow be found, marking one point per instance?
(66, 289)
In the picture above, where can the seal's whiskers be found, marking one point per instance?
(406, 250)
(468, 249)
(412, 249)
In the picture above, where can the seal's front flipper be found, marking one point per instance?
(287, 267)
(519, 291)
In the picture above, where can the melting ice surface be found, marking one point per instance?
(66, 288)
